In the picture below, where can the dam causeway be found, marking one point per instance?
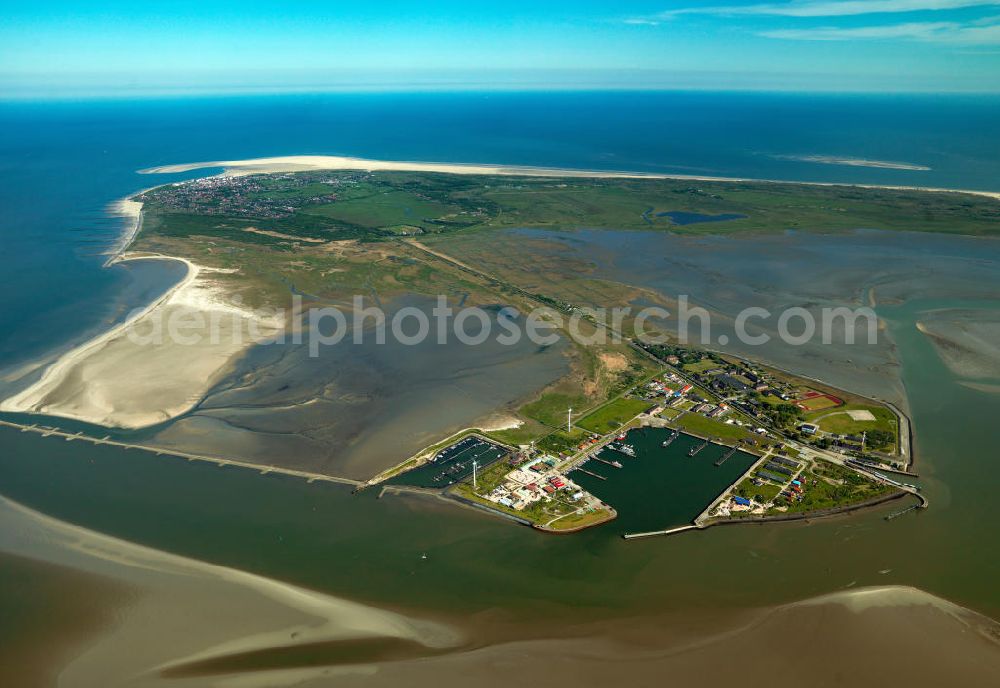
(159, 451)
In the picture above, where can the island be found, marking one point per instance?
(722, 438)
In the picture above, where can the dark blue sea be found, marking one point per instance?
(62, 163)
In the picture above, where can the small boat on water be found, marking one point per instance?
(667, 442)
(626, 449)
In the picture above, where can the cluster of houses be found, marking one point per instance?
(712, 410)
(672, 391)
(532, 482)
(843, 443)
(778, 469)
(671, 388)
(242, 196)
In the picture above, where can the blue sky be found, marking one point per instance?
(144, 46)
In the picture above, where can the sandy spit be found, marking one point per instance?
(121, 380)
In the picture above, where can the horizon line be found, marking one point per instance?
(54, 95)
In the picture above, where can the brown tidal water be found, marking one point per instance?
(50, 613)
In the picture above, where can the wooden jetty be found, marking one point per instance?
(724, 457)
(612, 464)
(592, 475)
(694, 450)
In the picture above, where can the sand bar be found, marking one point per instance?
(184, 610)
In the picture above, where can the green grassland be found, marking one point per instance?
(551, 408)
(281, 230)
(375, 205)
(760, 493)
(711, 428)
(839, 422)
(701, 366)
(613, 415)
(386, 209)
(528, 430)
(581, 519)
(560, 441)
(826, 485)
(635, 204)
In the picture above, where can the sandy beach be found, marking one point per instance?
(136, 374)
(131, 210)
(127, 377)
(305, 163)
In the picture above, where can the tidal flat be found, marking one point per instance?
(728, 273)
(328, 414)
(357, 409)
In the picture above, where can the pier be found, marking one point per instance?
(897, 514)
(694, 450)
(592, 475)
(158, 451)
(654, 533)
(724, 457)
(613, 464)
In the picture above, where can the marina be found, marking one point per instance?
(669, 492)
(454, 463)
(621, 448)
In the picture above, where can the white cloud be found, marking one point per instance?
(982, 31)
(831, 8)
(642, 21)
(832, 33)
(940, 32)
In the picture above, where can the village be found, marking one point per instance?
(806, 449)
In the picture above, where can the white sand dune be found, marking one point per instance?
(305, 163)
